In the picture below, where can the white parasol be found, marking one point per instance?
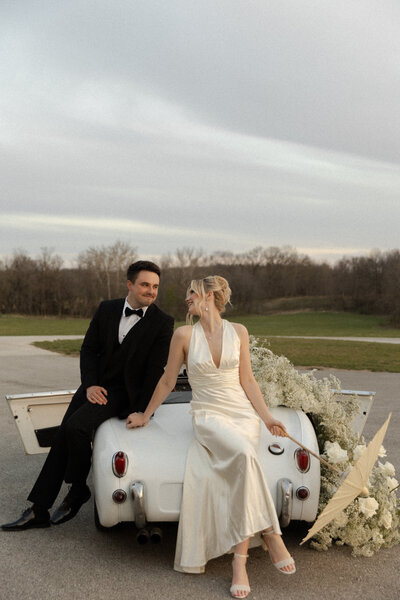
(354, 484)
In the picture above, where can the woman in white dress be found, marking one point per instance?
(226, 500)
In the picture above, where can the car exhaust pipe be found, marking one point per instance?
(156, 535)
(142, 537)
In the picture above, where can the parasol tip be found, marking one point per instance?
(364, 492)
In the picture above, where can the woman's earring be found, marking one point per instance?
(206, 306)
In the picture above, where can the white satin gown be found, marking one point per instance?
(225, 496)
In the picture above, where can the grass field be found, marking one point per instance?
(22, 325)
(337, 324)
(309, 353)
(301, 323)
(69, 347)
(314, 353)
(304, 353)
(339, 354)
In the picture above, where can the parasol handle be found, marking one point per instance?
(313, 454)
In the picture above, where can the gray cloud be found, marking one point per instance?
(221, 124)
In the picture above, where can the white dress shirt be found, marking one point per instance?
(126, 323)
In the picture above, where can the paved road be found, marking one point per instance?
(76, 561)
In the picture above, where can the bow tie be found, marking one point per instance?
(131, 311)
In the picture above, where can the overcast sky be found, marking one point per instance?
(214, 124)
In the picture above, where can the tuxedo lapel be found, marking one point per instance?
(113, 325)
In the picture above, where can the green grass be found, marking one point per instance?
(337, 324)
(69, 347)
(303, 353)
(300, 323)
(339, 354)
(318, 353)
(24, 325)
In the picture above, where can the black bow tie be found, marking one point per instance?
(132, 311)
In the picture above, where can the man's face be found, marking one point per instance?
(145, 289)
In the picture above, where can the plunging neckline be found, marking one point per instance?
(208, 345)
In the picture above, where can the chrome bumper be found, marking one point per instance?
(137, 489)
(285, 501)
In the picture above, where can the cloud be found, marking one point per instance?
(182, 123)
(64, 224)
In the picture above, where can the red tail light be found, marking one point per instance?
(302, 493)
(302, 458)
(119, 496)
(120, 464)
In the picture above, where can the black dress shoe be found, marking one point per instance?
(28, 520)
(69, 506)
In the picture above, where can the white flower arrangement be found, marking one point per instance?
(388, 468)
(368, 506)
(367, 524)
(358, 450)
(335, 453)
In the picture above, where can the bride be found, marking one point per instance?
(226, 500)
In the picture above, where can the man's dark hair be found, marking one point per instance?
(141, 265)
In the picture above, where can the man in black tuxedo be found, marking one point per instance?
(122, 358)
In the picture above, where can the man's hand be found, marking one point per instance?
(96, 394)
(136, 420)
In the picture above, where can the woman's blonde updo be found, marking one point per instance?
(213, 283)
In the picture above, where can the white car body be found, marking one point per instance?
(157, 457)
(151, 486)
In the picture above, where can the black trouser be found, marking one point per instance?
(70, 456)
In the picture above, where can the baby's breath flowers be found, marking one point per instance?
(367, 524)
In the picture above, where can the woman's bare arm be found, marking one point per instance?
(250, 385)
(176, 357)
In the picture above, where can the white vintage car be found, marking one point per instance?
(138, 474)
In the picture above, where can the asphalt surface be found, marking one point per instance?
(74, 560)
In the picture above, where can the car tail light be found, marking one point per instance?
(119, 496)
(120, 464)
(302, 493)
(302, 458)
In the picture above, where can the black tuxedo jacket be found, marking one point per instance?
(144, 351)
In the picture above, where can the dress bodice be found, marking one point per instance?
(200, 360)
(216, 388)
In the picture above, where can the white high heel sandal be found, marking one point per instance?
(286, 562)
(239, 587)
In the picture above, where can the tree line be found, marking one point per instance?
(263, 280)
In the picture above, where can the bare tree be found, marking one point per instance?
(260, 278)
(48, 282)
(106, 266)
(18, 279)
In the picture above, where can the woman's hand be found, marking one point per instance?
(136, 420)
(275, 427)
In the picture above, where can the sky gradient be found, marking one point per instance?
(220, 124)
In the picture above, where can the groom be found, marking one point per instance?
(122, 358)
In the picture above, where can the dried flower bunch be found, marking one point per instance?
(368, 523)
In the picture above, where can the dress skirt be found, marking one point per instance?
(225, 495)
